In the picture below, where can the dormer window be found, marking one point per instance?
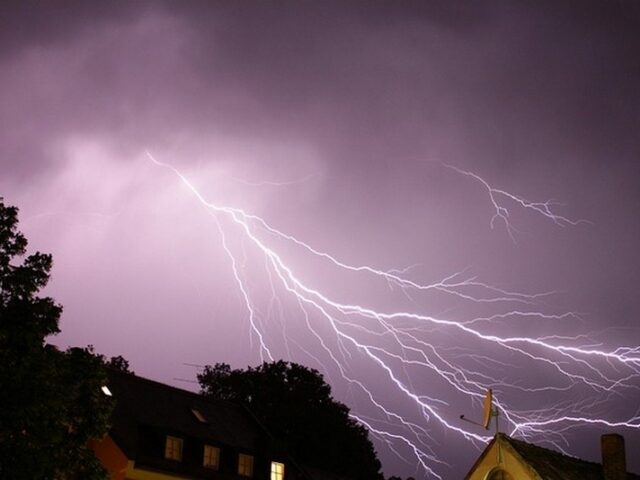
(173, 448)
(198, 414)
(499, 474)
(211, 457)
(245, 465)
(277, 471)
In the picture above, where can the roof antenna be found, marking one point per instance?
(488, 412)
(186, 380)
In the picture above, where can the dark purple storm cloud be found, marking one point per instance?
(331, 120)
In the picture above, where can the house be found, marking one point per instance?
(506, 458)
(161, 432)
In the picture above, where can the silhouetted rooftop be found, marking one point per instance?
(140, 401)
(553, 465)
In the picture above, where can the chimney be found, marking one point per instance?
(613, 457)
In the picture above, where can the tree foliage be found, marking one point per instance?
(118, 363)
(295, 404)
(52, 404)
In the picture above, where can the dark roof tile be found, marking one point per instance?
(552, 465)
(143, 402)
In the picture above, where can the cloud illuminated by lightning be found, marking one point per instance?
(460, 357)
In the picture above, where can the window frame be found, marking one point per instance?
(245, 469)
(494, 472)
(211, 448)
(275, 474)
(170, 444)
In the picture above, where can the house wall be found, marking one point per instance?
(111, 457)
(120, 467)
(134, 473)
(506, 461)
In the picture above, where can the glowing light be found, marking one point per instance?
(449, 351)
(502, 213)
(106, 391)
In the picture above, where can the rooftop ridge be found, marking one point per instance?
(553, 464)
(546, 449)
(165, 386)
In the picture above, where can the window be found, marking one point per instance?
(211, 458)
(277, 471)
(499, 474)
(245, 465)
(198, 414)
(173, 448)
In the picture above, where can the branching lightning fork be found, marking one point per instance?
(405, 343)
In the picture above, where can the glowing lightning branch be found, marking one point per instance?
(245, 296)
(502, 213)
(406, 344)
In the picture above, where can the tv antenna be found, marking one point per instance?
(488, 412)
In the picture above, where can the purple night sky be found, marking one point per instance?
(332, 121)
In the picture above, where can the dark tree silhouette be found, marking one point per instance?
(295, 404)
(119, 363)
(51, 402)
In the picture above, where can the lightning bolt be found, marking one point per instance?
(501, 213)
(461, 357)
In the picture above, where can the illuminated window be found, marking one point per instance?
(245, 465)
(499, 474)
(173, 448)
(277, 471)
(211, 457)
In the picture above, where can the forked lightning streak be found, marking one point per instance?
(460, 358)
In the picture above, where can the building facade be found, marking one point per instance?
(161, 432)
(506, 458)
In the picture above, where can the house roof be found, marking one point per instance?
(553, 465)
(141, 402)
(144, 402)
(311, 473)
